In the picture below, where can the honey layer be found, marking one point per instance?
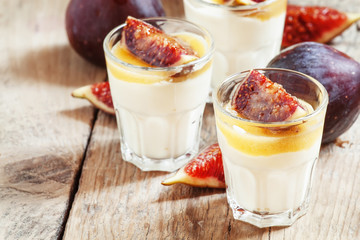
(127, 73)
(264, 141)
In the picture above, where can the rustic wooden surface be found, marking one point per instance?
(53, 147)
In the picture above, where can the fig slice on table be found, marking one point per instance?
(205, 170)
(258, 98)
(98, 94)
(315, 23)
(154, 46)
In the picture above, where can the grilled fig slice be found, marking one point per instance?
(315, 23)
(205, 170)
(98, 94)
(154, 46)
(258, 98)
(340, 75)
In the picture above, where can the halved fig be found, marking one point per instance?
(258, 98)
(154, 46)
(315, 23)
(98, 94)
(205, 170)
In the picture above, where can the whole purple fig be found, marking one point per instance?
(340, 75)
(88, 22)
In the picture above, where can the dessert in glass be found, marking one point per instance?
(269, 132)
(159, 72)
(247, 33)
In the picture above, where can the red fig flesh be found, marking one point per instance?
(315, 23)
(98, 94)
(153, 46)
(258, 98)
(205, 170)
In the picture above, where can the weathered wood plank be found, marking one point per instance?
(43, 130)
(116, 200)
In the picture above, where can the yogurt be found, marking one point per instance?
(159, 110)
(245, 37)
(274, 176)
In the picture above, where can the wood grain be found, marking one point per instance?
(115, 200)
(118, 201)
(45, 135)
(43, 131)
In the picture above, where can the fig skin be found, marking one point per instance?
(88, 21)
(340, 75)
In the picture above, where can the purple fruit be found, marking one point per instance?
(88, 22)
(340, 75)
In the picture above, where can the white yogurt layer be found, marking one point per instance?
(270, 184)
(160, 120)
(242, 42)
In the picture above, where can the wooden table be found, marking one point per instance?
(61, 172)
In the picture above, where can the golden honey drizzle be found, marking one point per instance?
(149, 77)
(265, 141)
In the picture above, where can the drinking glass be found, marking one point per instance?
(269, 166)
(159, 109)
(246, 36)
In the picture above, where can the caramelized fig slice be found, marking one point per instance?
(258, 98)
(154, 46)
(205, 170)
(315, 23)
(98, 94)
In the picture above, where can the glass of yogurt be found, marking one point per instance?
(269, 166)
(246, 36)
(159, 109)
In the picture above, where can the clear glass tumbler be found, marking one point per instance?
(159, 109)
(269, 166)
(245, 37)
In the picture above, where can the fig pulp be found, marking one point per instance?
(340, 75)
(258, 98)
(314, 23)
(205, 170)
(98, 94)
(153, 46)
(88, 22)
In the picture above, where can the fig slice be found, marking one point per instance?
(258, 98)
(98, 94)
(315, 23)
(205, 170)
(154, 46)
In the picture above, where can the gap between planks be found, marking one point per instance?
(75, 186)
